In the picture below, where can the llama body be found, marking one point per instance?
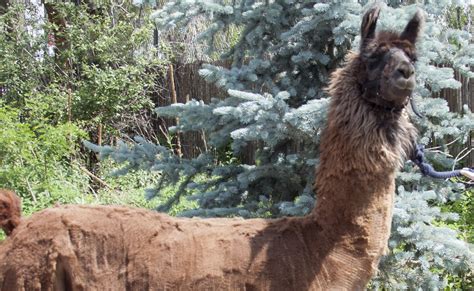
(133, 249)
(337, 246)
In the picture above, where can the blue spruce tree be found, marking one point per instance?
(276, 100)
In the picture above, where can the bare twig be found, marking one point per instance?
(466, 154)
(69, 104)
(99, 134)
(93, 191)
(94, 177)
(446, 145)
(31, 191)
(174, 100)
(204, 139)
(462, 154)
(441, 153)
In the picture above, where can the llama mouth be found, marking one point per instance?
(402, 92)
(404, 89)
(398, 95)
(404, 84)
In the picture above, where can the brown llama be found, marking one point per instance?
(337, 246)
(10, 211)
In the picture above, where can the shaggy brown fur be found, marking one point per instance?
(337, 246)
(10, 211)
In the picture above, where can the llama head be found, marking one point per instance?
(387, 76)
(10, 210)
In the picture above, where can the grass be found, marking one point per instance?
(465, 208)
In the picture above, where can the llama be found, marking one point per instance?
(10, 211)
(337, 246)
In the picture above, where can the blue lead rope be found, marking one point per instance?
(428, 170)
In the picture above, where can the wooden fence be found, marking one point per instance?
(457, 98)
(188, 84)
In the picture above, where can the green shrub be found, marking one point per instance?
(103, 72)
(35, 160)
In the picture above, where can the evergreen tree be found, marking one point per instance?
(276, 99)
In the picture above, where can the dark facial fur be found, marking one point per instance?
(387, 77)
(369, 94)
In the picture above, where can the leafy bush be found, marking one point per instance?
(35, 160)
(112, 67)
(87, 66)
(60, 78)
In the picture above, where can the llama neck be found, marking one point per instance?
(355, 183)
(362, 202)
(360, 194)
(360, 154)
(354, 213)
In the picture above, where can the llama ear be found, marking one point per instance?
(413, 28)
(369, 22)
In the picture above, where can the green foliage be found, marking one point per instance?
(458, 17)
(464, 226)
(464, 207)
(102, 70)
(20, 68)
(34, 159)
(109, 62)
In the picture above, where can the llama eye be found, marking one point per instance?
(410, 54)
(373, 62)
(377, 56)
(385, 47)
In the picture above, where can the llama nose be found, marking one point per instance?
(406, 70)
